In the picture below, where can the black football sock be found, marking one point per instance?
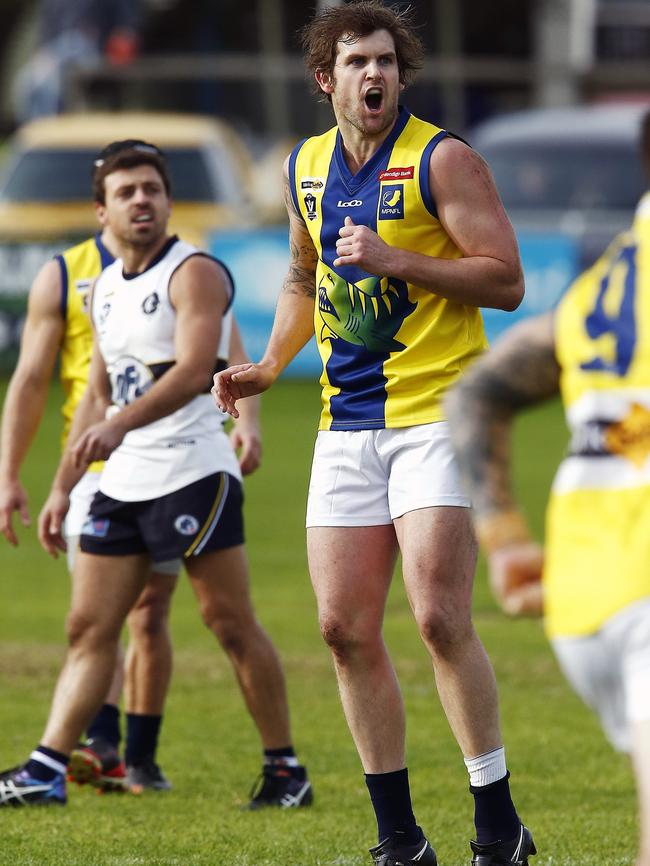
(141, 738)
(106, 725)
(391, 800)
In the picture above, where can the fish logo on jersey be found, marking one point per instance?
(368, 313)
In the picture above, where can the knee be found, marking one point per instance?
(148, 619)
(444, 630)
(84, 631)
(343, 637)
(230, 629)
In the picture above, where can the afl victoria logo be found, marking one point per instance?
(186, 524)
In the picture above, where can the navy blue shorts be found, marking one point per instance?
(202, 517)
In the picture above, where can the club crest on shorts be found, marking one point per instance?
(186, 524)
(96, 527)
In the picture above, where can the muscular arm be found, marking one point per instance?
(293, 324)
(294, 316)
(27, 391)
(520, 371)
(90, 410)
(489, 272)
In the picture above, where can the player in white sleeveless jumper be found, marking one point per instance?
(171, 485)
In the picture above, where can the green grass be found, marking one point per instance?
(575, 793)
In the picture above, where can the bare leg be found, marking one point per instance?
(641, 759)
(115, 691)
(220, 582)
(149, 654)
(94, 623)
(351, 570)
(438, 560)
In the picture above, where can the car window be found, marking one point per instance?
(64, 175)
(563, 177)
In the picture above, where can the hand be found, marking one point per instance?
(50, 522)
(12, 498)
(247, 442)
(242, 380)
(97, 442)
(359, 245)
(515, 578)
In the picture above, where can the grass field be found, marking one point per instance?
(571, 789)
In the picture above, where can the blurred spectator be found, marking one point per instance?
(73, 33)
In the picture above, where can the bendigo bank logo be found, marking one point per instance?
(391, 202)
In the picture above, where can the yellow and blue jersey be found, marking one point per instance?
(598, 520)
(389, 349)
(79, 266)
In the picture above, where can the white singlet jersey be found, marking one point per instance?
(135, 324)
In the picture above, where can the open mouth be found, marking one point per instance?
(143, 218)
(374, 98)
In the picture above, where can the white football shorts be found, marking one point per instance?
(610, 671)
(372, 477)
(81, 496)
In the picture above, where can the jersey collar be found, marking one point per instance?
(354, 181)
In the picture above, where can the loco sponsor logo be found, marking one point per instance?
(391, 202)
(355, 202)
(186, 524)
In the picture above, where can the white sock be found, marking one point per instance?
(487, 768)
(47, 761)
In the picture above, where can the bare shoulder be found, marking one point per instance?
(45, 293)
(454, 163)
(199, 276)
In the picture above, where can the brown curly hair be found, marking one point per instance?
(352, 21)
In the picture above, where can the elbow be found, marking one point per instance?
(513, 294)
(198, 381)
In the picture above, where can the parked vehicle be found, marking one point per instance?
(577, 170)
(45, 190)
(570, 179)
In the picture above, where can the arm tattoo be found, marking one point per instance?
(520, 372)
(301, 277)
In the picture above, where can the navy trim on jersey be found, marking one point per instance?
(154, 261)
(63, 301)
(423, 175)
(158, 370)
(354, 181)
(293, 156)
(221, 264)
(106, 257)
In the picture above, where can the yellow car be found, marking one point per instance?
(45, 188)
(46, 201)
